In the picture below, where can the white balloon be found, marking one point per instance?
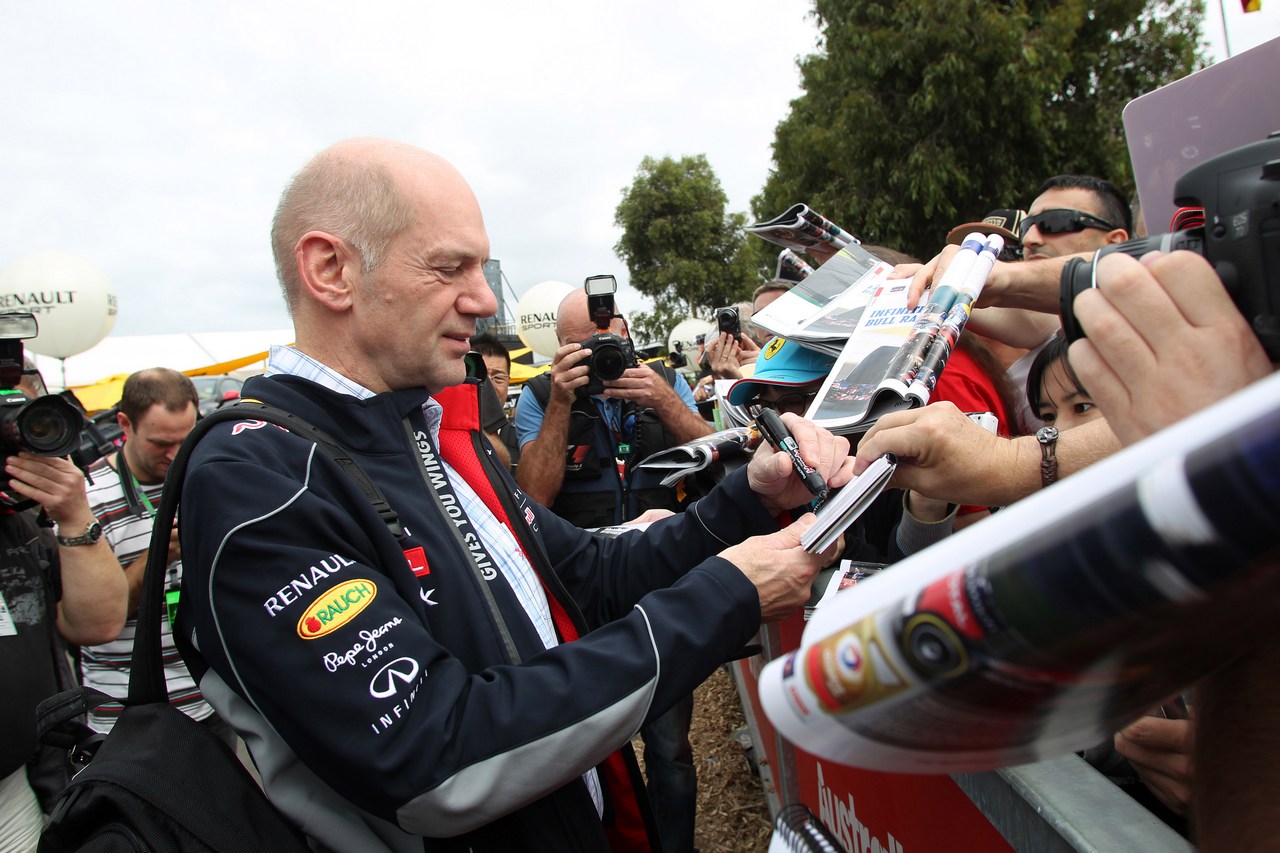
(71, 299)
(536, 316)
(686, 332)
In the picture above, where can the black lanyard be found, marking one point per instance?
(134, 495)
(477, 556)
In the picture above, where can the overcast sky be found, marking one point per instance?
(153, 138)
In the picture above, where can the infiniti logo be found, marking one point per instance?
(383, 684)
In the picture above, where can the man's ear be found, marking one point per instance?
(1119, 235)
(329, 269)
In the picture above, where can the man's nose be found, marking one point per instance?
(478, 299)
(1032, 237)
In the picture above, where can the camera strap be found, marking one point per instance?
(134, 495)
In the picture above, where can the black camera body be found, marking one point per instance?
(611, 355)
(1240, 193)
(45, 426)
(102, 436)
(728, 320)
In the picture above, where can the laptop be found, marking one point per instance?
(1181, 125)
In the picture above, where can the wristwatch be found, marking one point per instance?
(91, 534)
(1048, 438)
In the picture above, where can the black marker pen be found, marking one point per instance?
(781, 439)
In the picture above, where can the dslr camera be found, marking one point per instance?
(611, 355)
(45, 426)
(1239, 236)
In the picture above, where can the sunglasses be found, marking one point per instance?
(796, 402)
(1061, 221)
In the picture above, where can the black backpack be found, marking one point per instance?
(160, 781)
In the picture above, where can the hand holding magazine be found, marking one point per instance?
(892, 360)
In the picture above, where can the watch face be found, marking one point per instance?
(94, 533)
(1048, 434)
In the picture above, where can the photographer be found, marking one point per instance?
(69, 583)
(733, 347)
(569, 443)
(577, 451)
(158, 408)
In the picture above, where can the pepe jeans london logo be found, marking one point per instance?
(367, 647)
(336, 608)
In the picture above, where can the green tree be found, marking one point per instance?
(680, 246)
(922, 114)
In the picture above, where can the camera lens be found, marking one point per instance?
(49, 426)
(1077, 277)
(608, 361)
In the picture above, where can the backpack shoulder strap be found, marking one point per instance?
(146, 676)
(667, 373)
(257, 410)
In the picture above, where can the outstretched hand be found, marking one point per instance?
(941, 452)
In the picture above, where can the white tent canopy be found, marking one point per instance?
(128, 353)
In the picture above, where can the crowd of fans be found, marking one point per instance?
(74, 560)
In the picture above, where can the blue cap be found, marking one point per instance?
(782, 362)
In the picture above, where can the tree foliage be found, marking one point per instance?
(919, 115)
(680, 246)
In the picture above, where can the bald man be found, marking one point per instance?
(569, 440)
(472, 684)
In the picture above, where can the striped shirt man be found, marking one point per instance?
(128, 530)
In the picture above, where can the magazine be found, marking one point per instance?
(827, 304)
(842, 510)
(701, 453)
(801, 228)
(892, 360)
(1057, 621)
(791, 267)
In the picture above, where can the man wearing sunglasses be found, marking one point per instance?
(1071, 214)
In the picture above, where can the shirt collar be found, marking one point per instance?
(290, 361)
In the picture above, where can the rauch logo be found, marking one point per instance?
(336, 608)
